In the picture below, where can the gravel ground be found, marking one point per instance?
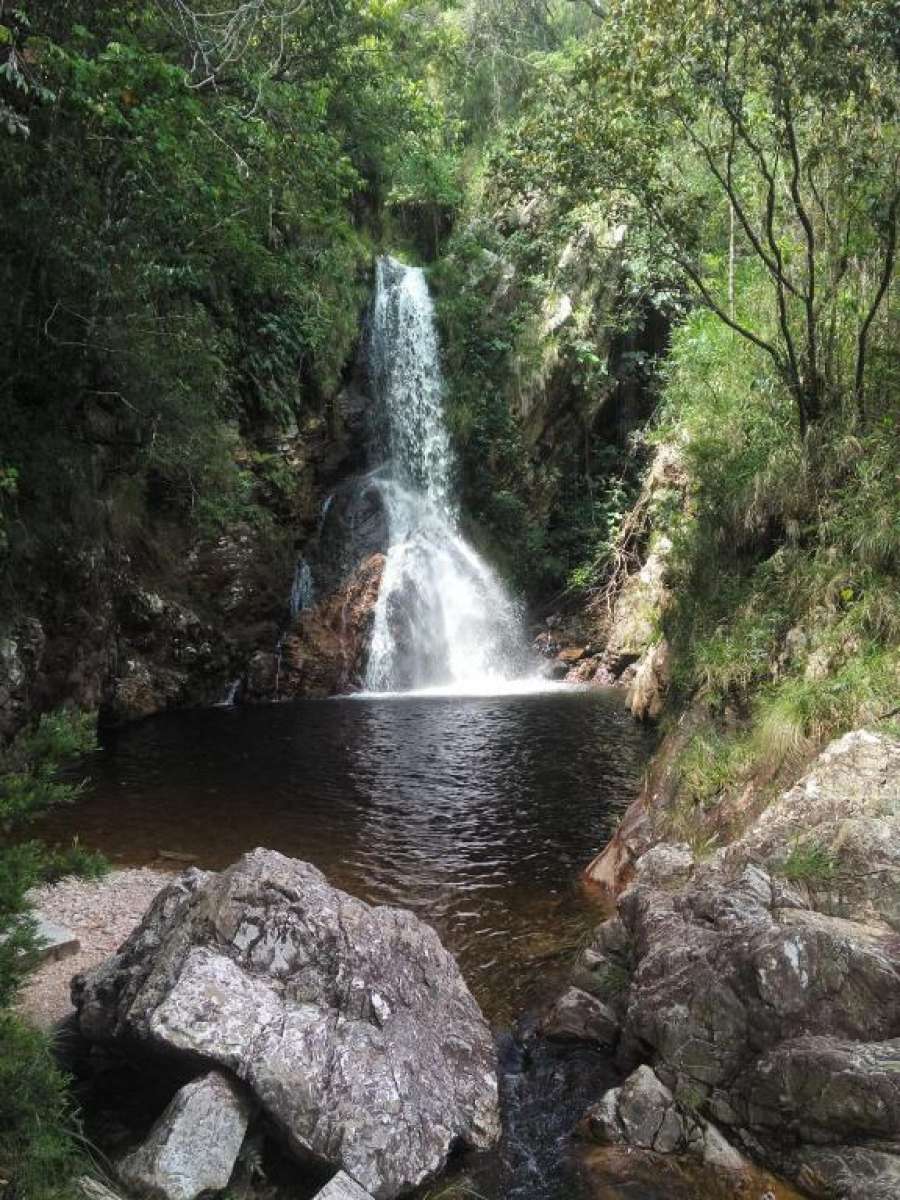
(101, 913)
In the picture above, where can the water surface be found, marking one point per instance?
(477, 813)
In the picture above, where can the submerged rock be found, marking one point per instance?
(351, 1025)
(194, 1145)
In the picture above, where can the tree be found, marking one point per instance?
(787, 112)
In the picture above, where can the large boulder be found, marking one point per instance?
(777, 1023)
(194, 1145)
(351, 1025)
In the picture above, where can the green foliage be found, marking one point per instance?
(808, 862)
(187, 254)
(29, 786)
(612, 981)
(741, 138)
(710, 763)
(40, 1152)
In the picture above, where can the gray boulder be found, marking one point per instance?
(194, 1145)
(342, 1187)
(780, 1024)
(847, 809)
(351, 1025)
(578, 1016)
(644, 1114)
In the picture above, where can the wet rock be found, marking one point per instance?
(571, 654)
(351, 1025)
(354, 528)
(579, 1016)
(262, 675)
(585, 671)
(325, 653)
(194, 1145)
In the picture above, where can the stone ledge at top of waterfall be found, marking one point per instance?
(349, 1026)
(443, 622)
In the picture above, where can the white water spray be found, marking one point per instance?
(443, 620)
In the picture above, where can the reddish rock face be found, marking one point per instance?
(325, 651)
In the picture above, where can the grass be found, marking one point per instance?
(40, 1152)
(784, 576)
(710, 763)
(614, 981)
(809, 863)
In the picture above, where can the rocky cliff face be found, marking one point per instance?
(173, 618)
(761, 985)
(614, 638)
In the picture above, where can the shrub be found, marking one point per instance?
(39, 1146)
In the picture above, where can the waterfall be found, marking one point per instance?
(443, 618)
(302, 589)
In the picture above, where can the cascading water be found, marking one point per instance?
(302, 589)
(443, 618)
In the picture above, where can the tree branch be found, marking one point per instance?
(884, 283)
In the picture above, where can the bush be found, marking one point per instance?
(39, 1148)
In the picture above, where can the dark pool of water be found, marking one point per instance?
(477, 813)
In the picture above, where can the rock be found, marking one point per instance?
(21, 654)
(847, 808)
(651, 682)
(571, 654)
(848, 1172)
(665, 865)
(584, 671)
(643, 1113)
(342, 1187)
(814, 1086)
(55, 941)
(93, 1189)
(783, 1028)
(351, 1025)
(141, 689)
(578, 1016)
(194, 1145)
(325, 653)
(641, 596)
